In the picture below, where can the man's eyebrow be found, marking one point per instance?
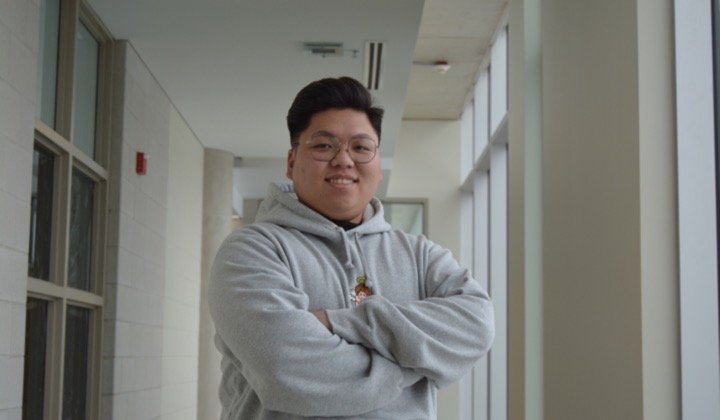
(322, 133)
(325, 133)
(363, 136)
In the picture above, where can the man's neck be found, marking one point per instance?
(345, 224)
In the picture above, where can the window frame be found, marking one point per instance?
(484, 192)
(68, 158)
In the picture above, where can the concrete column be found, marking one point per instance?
(217, 222)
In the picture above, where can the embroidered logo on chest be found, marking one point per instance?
(361, 291)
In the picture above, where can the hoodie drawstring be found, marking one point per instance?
(348, 251)
(363, 261)
(348, 254)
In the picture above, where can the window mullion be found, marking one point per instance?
(94, 363)
(99, 239)
(82, 298)
(66, 68)
(55, 358)
(89, 163)
(44, 290)
(61, 221)
(50, 138)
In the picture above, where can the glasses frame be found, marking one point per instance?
(337, 148)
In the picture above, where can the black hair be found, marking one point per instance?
(331, 93)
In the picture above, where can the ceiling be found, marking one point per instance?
(232, 67)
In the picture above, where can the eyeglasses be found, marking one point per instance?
(325, 148)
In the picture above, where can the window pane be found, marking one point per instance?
(86, 69)
(47, 61)
(408, 217)
(81, 231)
(77, 334)
(41, 205)
(36, 325)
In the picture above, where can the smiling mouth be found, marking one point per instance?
(341, 181)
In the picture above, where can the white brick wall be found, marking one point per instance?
(133, 345)
(18, 45)
(152, 313)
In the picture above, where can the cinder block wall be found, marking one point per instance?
(18, 55)
(152, 318)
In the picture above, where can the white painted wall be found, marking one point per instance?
(426, 165)
(18, 55)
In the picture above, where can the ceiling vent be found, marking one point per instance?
(374, 55)
(323, 49)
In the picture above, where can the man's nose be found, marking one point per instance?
(342, 157)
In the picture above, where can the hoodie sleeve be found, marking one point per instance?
(291, 361)
(441, 336)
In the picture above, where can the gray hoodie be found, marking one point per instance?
(425, 323)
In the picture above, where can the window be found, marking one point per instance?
(407, 214)
(67, 220)
(485, 137)
(697, 216)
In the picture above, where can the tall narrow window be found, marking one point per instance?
(696, 98)
(76, 368)
(86, 75)
(41, 207)
(48, 61)
(68, 204)
(36, 342)
(82, 212)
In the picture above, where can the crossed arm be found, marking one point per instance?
(341, 362)
(290, 360)
(439, 337)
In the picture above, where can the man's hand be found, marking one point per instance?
(322, 317)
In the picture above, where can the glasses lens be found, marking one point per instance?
(362, 150)
(325, 148)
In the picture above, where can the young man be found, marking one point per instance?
(321, 309)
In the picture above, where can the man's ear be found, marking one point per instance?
(290, 163)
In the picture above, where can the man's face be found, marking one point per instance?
(339, 189)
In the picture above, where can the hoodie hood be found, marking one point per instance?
(282, 207)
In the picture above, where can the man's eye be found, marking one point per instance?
(362, 147)
(322, 146)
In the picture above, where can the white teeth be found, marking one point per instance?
(341, 181)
